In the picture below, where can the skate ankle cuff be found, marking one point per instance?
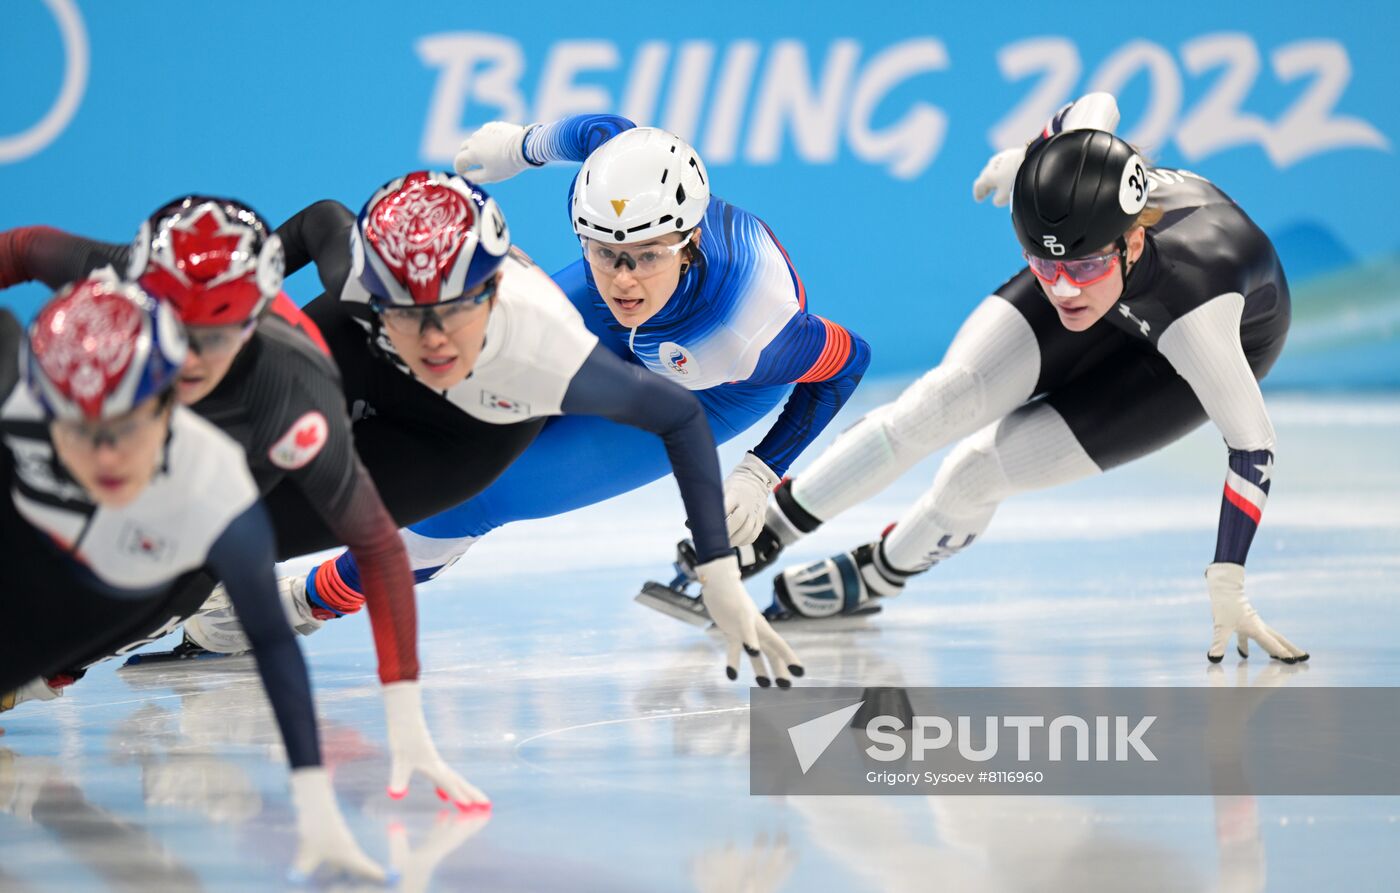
(893, 575)
(790, 520)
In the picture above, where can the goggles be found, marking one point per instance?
(641, 261)
(119, 433)
(449, 316)
(1081, 272)
(211, 341)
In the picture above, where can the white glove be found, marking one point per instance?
(998, 176)
(746, 493)
(494, 152)
(412, 750)
(1234, 614)
(324, 838)
(738, 619)
(1092, 111)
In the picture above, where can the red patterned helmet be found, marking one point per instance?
(426, 238)
(216, 260)
(99, 347)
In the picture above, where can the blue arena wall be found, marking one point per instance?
(854, 130)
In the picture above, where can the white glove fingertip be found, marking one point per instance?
(760, 670)
(731, 661)
(1217, 645)
(399, 776)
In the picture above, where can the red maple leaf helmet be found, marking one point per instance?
(215, 260)
(427, 237)
(99, 347)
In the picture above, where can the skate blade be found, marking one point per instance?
(672, 603)
(175, 655)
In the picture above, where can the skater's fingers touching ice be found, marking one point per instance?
(739, 621)
(729, 605)
(324, 839)
(781, 657)
(412, 750)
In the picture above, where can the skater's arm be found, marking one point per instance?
(338, 486)
(1204, 348)
(826, 361)
(54, 257)
(243, 558)
(630, 395)
(320, 233)
(573, 138)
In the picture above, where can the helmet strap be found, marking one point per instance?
(1123, 259)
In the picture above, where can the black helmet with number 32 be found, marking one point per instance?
(1077, 193)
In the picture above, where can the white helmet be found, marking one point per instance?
(640, 184)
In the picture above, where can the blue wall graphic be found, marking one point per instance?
(856, 137)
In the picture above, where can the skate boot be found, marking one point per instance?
(40, 689)
(675, 599)
(846, 585)
(214, 630)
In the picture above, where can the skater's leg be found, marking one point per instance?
(576, 461)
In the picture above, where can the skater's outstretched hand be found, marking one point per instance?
(493, 152)
(1234, 614)
(998, 175)
(324, 838)
(738, 618)
(412, 750)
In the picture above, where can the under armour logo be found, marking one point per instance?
(1142, 326)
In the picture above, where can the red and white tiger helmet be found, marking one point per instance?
(99, 347)
(427, 237)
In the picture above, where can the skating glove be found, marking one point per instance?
(1234, 614)
(738, 619)
(324, 838)
(412, 750)
(746, 493)
(998, 175)
(1092, 111)
(494, 152)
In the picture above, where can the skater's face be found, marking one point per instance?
(1080, 306)
(114, 459)
(442, 342)
(212, 351)
(636, 279)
